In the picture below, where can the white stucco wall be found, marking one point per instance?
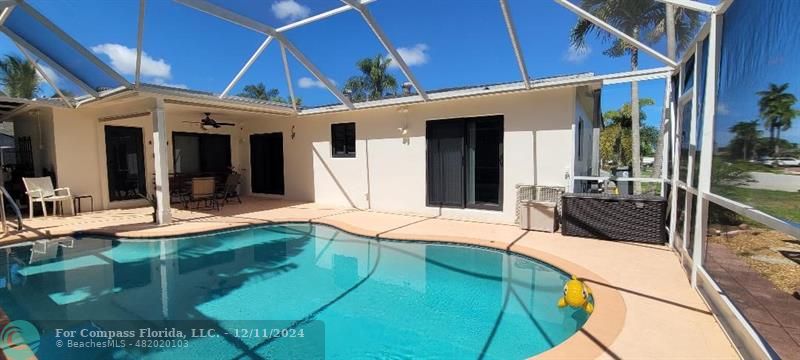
(389, 170)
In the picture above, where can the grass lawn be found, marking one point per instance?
(757, 167)
(781, 204)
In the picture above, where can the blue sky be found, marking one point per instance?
(447, 43)
(773, 52)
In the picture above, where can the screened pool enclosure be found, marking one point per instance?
(728, 143)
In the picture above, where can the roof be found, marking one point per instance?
(40, 39)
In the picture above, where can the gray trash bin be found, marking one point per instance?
(537, 215)
(625, 187)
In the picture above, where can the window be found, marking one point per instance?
(343, 140)
(195, 153)
(465, 162)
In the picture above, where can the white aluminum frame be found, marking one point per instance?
(607, 27)
(44, 75)
(246, 22)
(247, 66)
(384, 40)
(72, 43)
(52, 63)
(692, 5)
(512, 34)
(288, 78)
(139, 44)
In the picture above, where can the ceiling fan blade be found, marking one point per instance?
(226, 124)
(193, 122)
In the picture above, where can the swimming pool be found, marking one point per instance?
(375, 298)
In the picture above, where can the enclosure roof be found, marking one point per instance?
(40, 39)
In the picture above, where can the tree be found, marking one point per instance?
(746, 136)
(259, 91)
(616, 143)
(374, 83)
(776, 108)
(19, 77)
(645, 21)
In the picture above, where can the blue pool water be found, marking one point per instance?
(374, 299)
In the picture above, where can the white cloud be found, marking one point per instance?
(413, 56)
(49, 72)
(290, 10)
(123, 60)
(577, 55)
(308, 83)
(723, 109)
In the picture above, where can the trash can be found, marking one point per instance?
(537, 215)
(624, 187)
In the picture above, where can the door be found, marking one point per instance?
(125, 162)
(266, 163)
(445, 140)
(465, 162)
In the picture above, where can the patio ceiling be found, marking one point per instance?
(39, 38)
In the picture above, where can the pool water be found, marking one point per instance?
(374, 298)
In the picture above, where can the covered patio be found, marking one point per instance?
(447, 165)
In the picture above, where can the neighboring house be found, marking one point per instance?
(461, 154)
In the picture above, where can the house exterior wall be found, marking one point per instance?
(388, 172)
(81, 145)
(39, 126)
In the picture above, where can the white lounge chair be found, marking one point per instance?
(41, 190)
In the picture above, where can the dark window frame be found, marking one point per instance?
(112, 181)
(347, 148)
(464, 203)
(203, 165)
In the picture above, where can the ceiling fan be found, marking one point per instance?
(208, 123)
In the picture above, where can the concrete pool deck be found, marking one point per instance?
(646, 307)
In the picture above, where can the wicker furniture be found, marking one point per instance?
(615, 217)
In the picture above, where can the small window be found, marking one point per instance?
(343, 140)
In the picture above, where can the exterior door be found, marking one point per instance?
(266, 163)
(445, 140)
(125, 162)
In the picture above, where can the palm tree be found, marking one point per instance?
(644, 20)
(776, 108)
(615, 138)
(19, 77)
(374, 83)
(259, 91)
(746, 134)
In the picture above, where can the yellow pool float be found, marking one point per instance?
(576, 295)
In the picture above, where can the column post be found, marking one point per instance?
(163, 215)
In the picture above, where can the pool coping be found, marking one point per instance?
(590, 341)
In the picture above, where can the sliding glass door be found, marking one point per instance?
(125, 162)
(465, 162)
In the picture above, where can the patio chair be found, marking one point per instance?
(230, 189)
(202, 189)
(41, 190)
